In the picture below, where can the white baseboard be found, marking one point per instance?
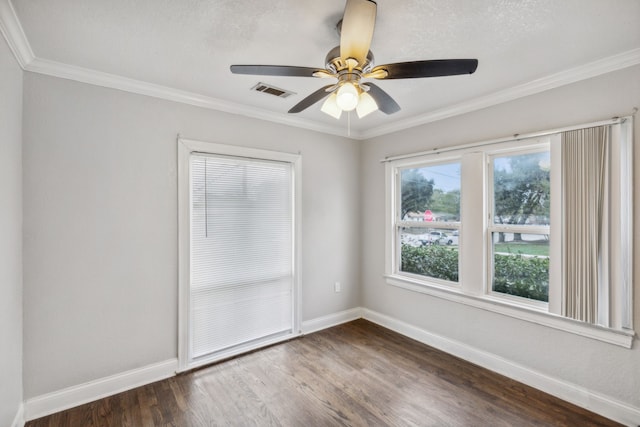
(606, 406)
(60, 400)
(18, 420)
(324, 322)
(600, 404)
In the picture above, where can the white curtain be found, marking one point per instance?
(585, 207)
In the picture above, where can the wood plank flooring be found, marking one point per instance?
(356, 374)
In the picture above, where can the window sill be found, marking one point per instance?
(623, 338)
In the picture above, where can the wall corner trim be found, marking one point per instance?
(334, 319)
(70, 397)
(595, 402)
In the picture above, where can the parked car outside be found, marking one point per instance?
(437, 238)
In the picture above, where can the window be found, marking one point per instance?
(495, 225)
(519, 218)
(428, 221)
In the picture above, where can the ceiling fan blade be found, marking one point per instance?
(427, 68)
(316, 96)
(274, 70)
(357, 29)
(386, 104)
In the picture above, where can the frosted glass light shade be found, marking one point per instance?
(330, 106)
(366, 105)
(347, 97)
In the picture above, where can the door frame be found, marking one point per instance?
(185, 149)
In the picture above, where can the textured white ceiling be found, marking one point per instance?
(190, 44)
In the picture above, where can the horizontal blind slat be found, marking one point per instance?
(241, 251)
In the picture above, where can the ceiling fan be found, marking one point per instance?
(351, 62)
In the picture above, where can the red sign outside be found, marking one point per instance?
(428, 216)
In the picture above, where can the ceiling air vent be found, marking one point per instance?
(272, 90)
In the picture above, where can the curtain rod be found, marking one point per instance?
(515, 137)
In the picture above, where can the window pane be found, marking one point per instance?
(521, 265)
(429, 252)
(431, 193)
(521, 185)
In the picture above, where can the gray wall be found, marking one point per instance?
(10, 235)
(100, 218)
(599, 367)
(100, 239)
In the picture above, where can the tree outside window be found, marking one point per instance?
(521, 209)
(429, 217)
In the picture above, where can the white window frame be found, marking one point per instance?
(185, 148)
(474, 234)
(399, 223)
(543, 145)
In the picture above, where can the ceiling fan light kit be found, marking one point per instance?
(366, 105)
(347, 96)
(351, 62)
(330, 106)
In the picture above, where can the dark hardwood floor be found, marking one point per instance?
(356, 374)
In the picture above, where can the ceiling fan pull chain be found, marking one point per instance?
(349, 124)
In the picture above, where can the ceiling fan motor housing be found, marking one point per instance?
(335, 63)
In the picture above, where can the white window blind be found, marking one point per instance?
(241, 252)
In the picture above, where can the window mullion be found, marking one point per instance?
(473, 211)
(555, 244)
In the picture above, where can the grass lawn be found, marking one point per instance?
(540, 248)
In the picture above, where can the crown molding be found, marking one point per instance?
(99, 78)
(572, 75)
(14, 34)
(12, 30)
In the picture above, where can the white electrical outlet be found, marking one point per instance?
(337, 287)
